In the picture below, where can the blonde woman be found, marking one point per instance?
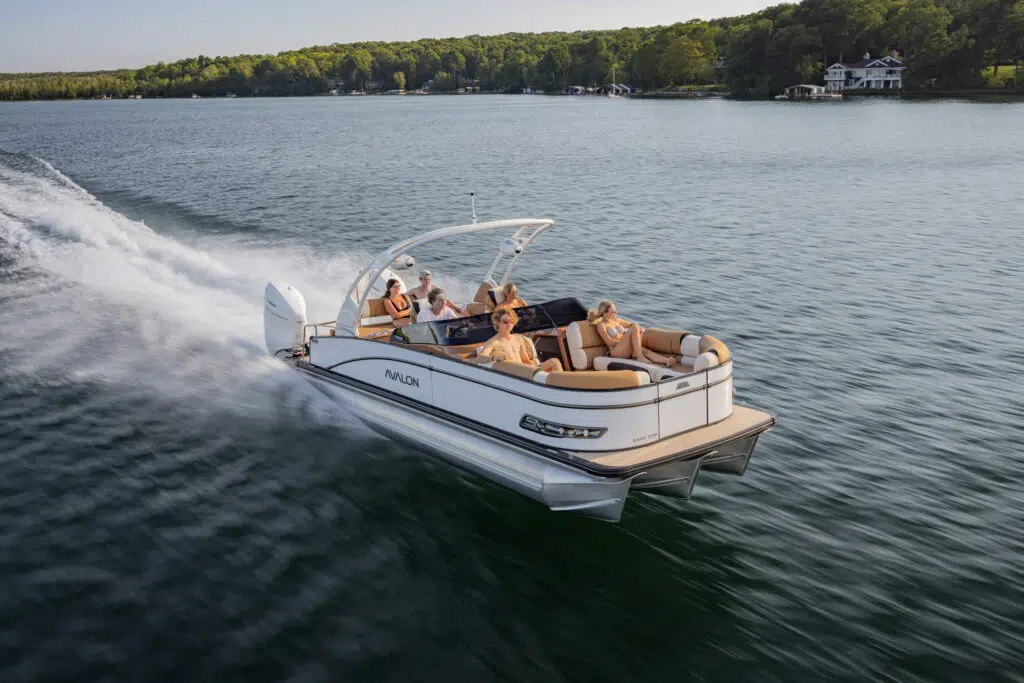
(623, 338)
(510, 347)
(511, 296)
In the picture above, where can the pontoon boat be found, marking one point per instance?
(575, 440)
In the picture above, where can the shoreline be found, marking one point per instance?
(693, 94)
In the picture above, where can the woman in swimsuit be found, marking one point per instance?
(623, 338)
(511, 297)
(397, 306)
(514, 348)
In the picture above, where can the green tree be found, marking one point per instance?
(359, 67)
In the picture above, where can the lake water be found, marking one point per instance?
(176, 507)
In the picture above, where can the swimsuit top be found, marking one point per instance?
(404, 310)
(614, 332)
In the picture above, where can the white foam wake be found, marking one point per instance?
(90, 294)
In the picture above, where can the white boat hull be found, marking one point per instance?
(575, 440)
(559, 487)
(497, 457)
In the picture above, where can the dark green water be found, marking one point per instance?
(176, 507)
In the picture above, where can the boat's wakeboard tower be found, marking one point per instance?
(368, 281)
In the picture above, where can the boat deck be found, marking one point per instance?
(742, 423)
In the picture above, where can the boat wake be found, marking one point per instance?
(89, 295)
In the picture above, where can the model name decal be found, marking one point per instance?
(408, 380)
(560, 431)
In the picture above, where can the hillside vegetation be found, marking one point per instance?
(951, 44)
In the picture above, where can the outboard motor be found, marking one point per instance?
(284, 319)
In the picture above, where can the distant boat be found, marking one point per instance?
(230, 95)
(808, 92)
(611, 90)
(196, 97)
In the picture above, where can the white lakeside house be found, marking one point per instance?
(882, 73)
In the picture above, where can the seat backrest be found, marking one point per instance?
(492, 298)
(584, 344)
(377, 314)
(375, 308)
(482, 295)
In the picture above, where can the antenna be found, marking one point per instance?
(472, 200)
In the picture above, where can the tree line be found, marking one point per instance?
(944, 44)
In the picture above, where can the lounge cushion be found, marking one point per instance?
(593, 379)
(664, 341)
(709, 343)
(376, 320)
(655, 371)
(518, 369)
(690, 346)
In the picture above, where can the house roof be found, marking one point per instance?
(883, 62)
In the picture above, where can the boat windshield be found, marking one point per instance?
(478, 329)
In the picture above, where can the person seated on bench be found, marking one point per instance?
(423, 292)
(397, 305)
(624, 339)
(513, 347)
(511, 297)
(438, 310)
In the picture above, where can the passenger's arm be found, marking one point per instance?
(390, 308)
(527, 351)
(602, 330)
(627, 323)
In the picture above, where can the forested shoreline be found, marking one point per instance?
(945, 45)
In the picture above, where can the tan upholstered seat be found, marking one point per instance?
(518, 369)
(588, 351)
(585, 344)
(594, 379)
(374, 312)
(481, 302)
(666, 342)
(715, 346)
(375, 308)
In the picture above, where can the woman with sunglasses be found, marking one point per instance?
(514, 348)
(397, 305)
(511, 297)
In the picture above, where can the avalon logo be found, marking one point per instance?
(404, 379)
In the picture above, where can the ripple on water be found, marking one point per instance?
(175, 507)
